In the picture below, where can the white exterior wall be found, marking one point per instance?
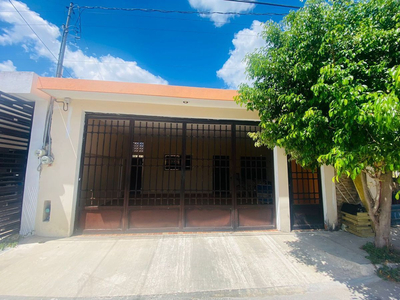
(282, 200)
(59, 182)
(329, 198)
(31, 189)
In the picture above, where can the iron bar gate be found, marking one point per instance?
(15, 129)
(161, 174)
(306, 207)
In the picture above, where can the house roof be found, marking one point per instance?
(52, 85)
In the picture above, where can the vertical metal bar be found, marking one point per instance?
(124, 160)
(237, 163)
(311, 180)
(140, 194)
(164, 165)
(182, 157)
(89, 161)
(246, 167)
(169, 173)
(321, 202)
(135, 200)
(109, 162)
(183, 173)
(215, 160)
(102, 189)
(221, 163)
(158, 166)
(291, 200)
(95, 163)
(229, 166)
(194, 164)
(116, 166)
(201, 153)
(210, 158)
(150, 161)
(128, 157)
(234, 214)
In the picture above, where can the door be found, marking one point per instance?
(254, 182)
(103, 176)
(306, 208)
(155, 189)
(208, 199)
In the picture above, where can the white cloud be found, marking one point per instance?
(244, 42)
(7, 66)
(80, 65)
(220, 6)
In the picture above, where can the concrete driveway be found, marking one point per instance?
(241, 265)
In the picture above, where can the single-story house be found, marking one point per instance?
(132, 157)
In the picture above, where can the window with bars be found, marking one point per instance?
(138, 147)
(173, 162)
(305, 185)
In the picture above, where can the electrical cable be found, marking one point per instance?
(181, 11)
(265, 3)
(65, 105)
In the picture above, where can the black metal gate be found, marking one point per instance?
(15, 128)
(159, 174)
(306, 207)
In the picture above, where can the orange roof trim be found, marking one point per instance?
(83, 85)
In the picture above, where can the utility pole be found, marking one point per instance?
(45, 154)
(64, 43)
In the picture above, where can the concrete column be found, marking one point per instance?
(282, 202)
(32, 175)
(329, 198)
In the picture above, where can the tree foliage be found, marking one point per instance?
(327, 85)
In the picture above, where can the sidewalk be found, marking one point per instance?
(240, 265)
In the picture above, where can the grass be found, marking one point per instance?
(381, 255)
(384, 256)
(387, 273)
(5, 245)
(9, 242)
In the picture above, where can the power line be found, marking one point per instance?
(186, 66)
(265, 3)
(150, 29)
(181, 11)
(36, 34)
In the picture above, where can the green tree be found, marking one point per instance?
(327, 89)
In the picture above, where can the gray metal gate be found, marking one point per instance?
(15, 130)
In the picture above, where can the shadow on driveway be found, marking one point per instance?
(339, 255)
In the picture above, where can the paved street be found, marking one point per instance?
(241, 265)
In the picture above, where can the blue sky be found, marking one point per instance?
(149, 47)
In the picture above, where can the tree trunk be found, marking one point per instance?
(383, 217)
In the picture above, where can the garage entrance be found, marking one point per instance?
(143, 175)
